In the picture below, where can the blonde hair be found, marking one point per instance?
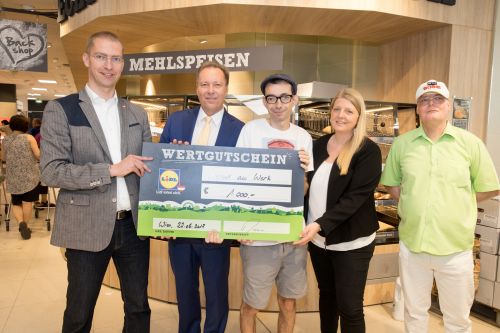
(353, 145)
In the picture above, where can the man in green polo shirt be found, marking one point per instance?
(438, 172)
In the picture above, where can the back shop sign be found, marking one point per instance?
(234, 59)
(23, 46)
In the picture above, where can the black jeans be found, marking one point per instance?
(341, 277)
(85, 274)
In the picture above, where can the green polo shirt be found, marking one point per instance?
(439, 181)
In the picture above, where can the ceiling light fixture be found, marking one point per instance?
(59, 95)
(32, 98)
(48, 81)
(33, 94)
(203, 41)
(39, 89)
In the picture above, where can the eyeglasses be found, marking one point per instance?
(285, 99)
(102, 58)
(436, 99)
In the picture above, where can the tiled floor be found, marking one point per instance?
(33, 286)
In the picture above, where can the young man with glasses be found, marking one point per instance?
(265, 263)
(91, 147)
(438, 172)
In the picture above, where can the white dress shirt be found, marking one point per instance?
(215, 123)
(107, 113)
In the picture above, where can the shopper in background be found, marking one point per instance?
(266, 263)
(5, 128)
(43, 190)
(4, 131)
(90, 150)
(209, 125)
(438, 172)
(21, 154)
(36, 124)
(341, 216)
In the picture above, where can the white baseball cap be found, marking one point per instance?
(433, 86)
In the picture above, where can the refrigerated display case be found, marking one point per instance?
(159, 108)
(384, 122)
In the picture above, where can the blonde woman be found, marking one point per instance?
(341, 217)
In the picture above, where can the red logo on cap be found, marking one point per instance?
(433, 87)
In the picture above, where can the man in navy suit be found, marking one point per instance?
(209, 125)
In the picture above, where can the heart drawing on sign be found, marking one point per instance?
(20, 48)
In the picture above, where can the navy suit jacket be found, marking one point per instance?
(180, 126)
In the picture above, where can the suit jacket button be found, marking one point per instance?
(71, 201)
(113, 200)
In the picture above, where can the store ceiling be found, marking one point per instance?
(167, 30)
(58, 67)
(139, 30)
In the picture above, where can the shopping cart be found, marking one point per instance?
(3, 196)
(49, 207)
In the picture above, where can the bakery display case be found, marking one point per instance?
(159, 108)
(314, 116)
(384, 122)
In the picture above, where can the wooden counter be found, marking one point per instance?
(379, 288)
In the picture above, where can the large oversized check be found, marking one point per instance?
(243, 193)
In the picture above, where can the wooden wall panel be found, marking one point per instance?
(8, 109)
(159, 265)
(162, 281)
(409, 61)
(416, 35)
(456, 55)
(379, 293)
(139, 30)
(470, 65)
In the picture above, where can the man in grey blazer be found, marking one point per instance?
(91, 146)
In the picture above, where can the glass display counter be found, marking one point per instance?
(386, 120)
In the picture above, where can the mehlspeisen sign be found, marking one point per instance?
(235, 59)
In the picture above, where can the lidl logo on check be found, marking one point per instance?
(169, 179)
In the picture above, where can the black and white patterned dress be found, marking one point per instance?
(22, 170)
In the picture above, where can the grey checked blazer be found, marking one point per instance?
(75, 158)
